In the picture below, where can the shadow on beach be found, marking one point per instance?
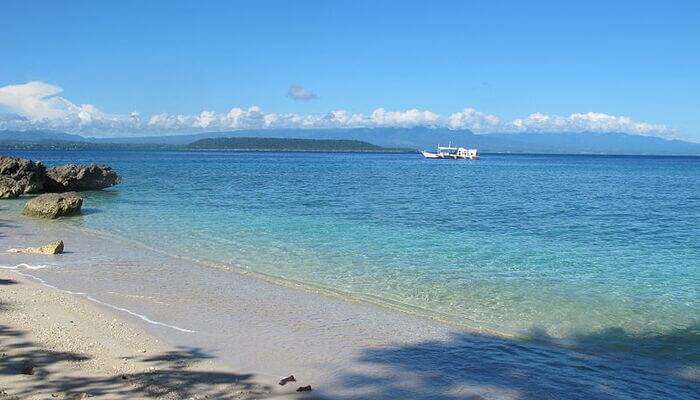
(473, 366)
(466, 366)
(172, 374)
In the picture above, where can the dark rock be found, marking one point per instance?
(9, 188)
(29, 175)
(27, 369)
(287, 379)
(80, 177)
(53, 205)
(304, 388)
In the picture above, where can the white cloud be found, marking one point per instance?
(37, 105)
(585, 122)
(408, 118)
(36, 100)
(470, 118)
(297, 92)
(255, 118)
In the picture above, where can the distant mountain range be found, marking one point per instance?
(416, 138)
(285, 144)
(35, 136)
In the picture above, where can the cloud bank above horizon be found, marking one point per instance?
(37, 105)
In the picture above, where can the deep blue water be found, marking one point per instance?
(567, 246)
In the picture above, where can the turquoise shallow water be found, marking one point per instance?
(571, 247)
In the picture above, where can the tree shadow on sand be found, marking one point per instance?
(15, 357)
(478, 366)
(172, 374)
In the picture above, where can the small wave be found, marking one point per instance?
(94, 300)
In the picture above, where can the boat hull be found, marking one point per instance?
(430, 155)
(437, 156)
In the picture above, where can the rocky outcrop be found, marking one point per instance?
(29, 175)
(80, 177)
(20, 176)
(53, 205)
(51, 248)
(9, 188)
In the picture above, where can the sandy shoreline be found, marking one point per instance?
(76, 349)
(250, 332)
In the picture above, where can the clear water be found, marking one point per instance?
(571, 247)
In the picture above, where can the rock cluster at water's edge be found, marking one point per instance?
(21, 176)
(29, 176)
(74, 177)
(53, 205)
(9, 188)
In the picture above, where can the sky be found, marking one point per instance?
(116, 68)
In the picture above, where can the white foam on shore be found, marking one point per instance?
(87, 296)
(26, 266)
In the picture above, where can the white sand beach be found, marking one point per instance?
(55, 345)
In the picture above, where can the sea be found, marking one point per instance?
(591, 252)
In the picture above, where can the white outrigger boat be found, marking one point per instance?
(452, 153)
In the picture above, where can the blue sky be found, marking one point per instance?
(508, 60)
